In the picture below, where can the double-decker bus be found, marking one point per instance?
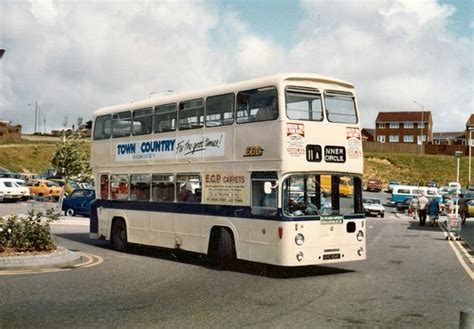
(249, 170)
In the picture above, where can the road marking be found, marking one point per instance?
(458, 254)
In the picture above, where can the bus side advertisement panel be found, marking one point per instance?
(226, 187)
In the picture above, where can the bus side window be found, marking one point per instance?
(140, 187)
(191, 114)
(165, 118)
(163, 188)
(121, 124)
(119, 187)
(102, 127)
(264, 193)
(142, 122)
(104, 187)
(220, 110)
(257, 105)
(189, 188)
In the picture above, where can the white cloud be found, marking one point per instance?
(74, 57)
(394, 52)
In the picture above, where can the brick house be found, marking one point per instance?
(404, 127)
(9, 131)
(368, 134)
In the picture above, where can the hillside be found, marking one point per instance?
(28, 156)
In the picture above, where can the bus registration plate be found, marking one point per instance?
(331, 256)
(332, 220)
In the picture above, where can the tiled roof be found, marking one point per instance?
(470, 121)
(403, 116)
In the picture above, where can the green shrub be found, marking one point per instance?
(29, 233)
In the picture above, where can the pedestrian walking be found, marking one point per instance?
(413, 207)
(422, 208)
(433, 211)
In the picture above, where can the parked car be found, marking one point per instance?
(392, 184)
(45, 188)
(431, 183)
(470, 208)
(22, 184)
(79, 202)
(374, 184)
(373, 206)
(403, 206)
(9, 190)
(69, 187)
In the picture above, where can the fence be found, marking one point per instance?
(414, 148)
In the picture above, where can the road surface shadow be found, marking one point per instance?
(202, 260)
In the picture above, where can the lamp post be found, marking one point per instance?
(423, 126)
(36, 113)
(470, 128)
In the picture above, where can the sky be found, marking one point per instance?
(73, 57)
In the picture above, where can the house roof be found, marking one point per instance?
(470, 121)
(368, 131)
(448, 135)
(403, 116)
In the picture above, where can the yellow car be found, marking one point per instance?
(44, 188)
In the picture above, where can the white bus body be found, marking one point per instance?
(217, 172)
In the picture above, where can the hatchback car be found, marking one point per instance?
(79, 202)
(45, 188)
(9, 190)
(374, 184)
(373, 206)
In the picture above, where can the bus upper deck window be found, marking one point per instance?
(121, 123)
(220, 110)
(142, 122)
(340, 107)
(304, 104)
(191, 114)
(165, 118)
(257, 105)
(103, 127)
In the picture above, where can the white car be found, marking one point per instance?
(9, 190)
(22, 184)
(373, 206)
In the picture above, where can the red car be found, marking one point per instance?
(374, 184)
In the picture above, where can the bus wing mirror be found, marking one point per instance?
(268, 187)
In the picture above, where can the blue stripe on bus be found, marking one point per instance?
(195, 209)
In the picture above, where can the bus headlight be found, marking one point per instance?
(360, 236)
(299, 239)
(299, 256)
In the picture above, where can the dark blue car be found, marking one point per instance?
(79, 202)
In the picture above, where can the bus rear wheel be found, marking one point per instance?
(223, 253)
(119, 235)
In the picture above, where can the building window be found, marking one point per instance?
(408, 125)
(421, 125)
(394, 125)
(408, 139)
(381, 139)
(393, 138)
(382, 125)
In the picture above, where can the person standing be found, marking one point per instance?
(462, 208)
(422, 208)
(433, 210)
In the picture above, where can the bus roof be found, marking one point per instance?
(216, 90)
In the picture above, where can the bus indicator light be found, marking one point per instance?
(280, 232)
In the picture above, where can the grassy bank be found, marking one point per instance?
(35, 157)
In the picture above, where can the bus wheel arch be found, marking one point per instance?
(118, 234)
(221, 249)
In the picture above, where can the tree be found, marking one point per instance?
(71, 160)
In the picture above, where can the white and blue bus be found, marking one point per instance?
(235, 172)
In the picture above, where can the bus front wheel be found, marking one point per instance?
(119, 235)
